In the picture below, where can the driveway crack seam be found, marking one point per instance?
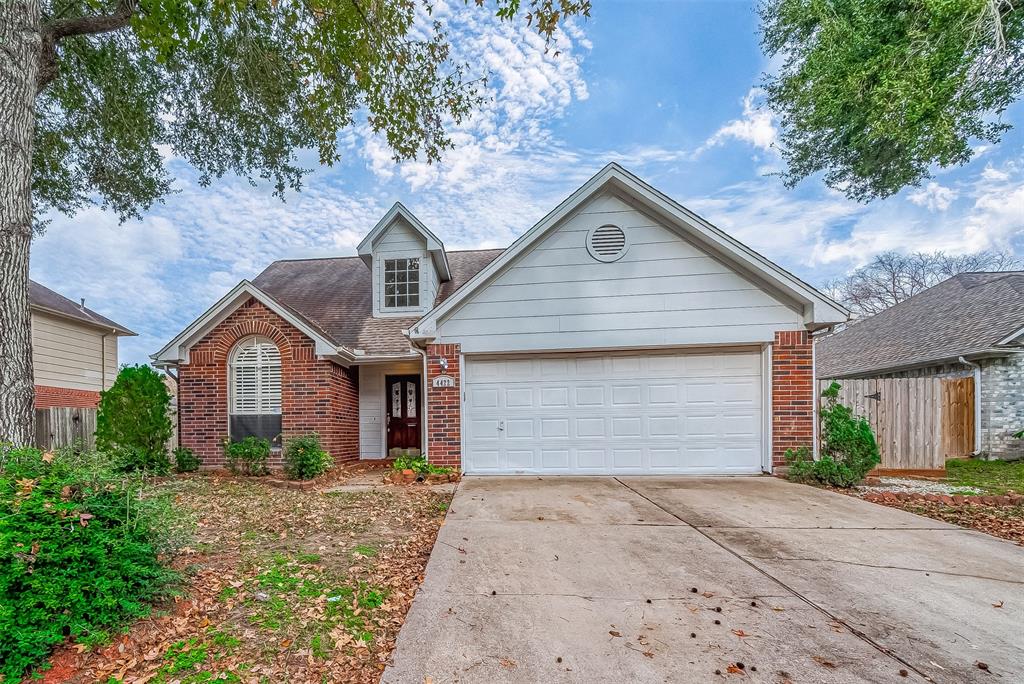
(887, 567)
(821, 609)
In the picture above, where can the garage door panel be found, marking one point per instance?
(624, 413)
(554, 397)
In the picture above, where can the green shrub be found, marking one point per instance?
(304, 458)
(848, 447)
(185, 460)
(132, 419)
(419, 465)
(248, 456)
(79, 545)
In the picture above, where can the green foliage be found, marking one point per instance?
(240, 87)
(419, 465)
(248, 456)
(874, 92)
(991, 477)
(304, 458)
(132, 420)
(79, 545)
(185, 460)
(848, 448)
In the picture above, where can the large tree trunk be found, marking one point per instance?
(19, 71)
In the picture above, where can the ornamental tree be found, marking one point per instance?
(92, 90)
(874, 93)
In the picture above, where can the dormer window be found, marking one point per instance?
(401, 283)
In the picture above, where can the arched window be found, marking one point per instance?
(254, 379)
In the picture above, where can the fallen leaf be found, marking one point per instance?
(994, 605)
(614, 633)
(740, 633)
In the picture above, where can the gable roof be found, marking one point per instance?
(44, 299)
(819, 310)
(330, 300)
(434, 245)
(968, 314)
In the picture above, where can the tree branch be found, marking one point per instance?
(57, 30)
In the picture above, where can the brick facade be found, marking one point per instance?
(444, 417)
(793, 393)
(1002, 406)
(316, 395)
(63, 397)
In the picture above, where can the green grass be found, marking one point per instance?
(992, 477)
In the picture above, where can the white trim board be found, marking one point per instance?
(177, 350)
(818, 309)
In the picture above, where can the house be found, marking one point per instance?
(74, 350)
(971, 325)
(620, 334)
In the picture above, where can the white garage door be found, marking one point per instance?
(614, 414)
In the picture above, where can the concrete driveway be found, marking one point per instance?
(592, 580)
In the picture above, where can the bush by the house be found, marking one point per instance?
(304, 458)
(132, 420)
(248, 456)
(848, 447)
(185, 460)
(79, 545)
(419, 465)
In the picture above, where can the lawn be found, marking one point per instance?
(992, 477)
(281, 585)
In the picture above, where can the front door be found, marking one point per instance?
(403, 398)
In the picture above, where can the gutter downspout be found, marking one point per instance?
(426, 403)
(977, 403)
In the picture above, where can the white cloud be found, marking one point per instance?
(933, 197)
(756, 127)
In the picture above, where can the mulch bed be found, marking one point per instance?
(1000, 516)
(280, 585)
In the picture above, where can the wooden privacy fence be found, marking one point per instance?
(918, 422)
(61, 427)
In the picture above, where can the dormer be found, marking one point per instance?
(407, 262)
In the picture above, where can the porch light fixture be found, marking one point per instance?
(443, 362)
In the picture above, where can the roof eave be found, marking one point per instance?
(117, 329)
(434, 245)
(818, 309)
(914, 365)
(176, 351)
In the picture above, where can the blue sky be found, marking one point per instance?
(668, 89)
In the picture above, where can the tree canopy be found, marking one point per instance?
(239, 86)
(873, 93)
(891, 277)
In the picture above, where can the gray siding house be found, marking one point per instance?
(969, 325)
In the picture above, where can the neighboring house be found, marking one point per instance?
(969, 325)
(74, 350)
(621, 334)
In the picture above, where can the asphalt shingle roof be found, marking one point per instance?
(42, 297)
(335, 296)
(966, 314)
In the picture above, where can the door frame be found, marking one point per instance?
(421, 405)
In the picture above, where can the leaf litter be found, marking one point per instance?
(279, 585)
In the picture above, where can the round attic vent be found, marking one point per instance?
(607, 243)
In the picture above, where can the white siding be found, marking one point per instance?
(65, 354)
(372, 414)
(663, 291)
(401, 241)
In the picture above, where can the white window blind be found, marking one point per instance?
(256, 378)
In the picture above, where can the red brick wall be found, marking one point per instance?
(316, 395)
(792, 393)
(53, 397)
(444, 418)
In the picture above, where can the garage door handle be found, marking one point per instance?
(501, 425)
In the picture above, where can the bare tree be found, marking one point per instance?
(892, 277)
